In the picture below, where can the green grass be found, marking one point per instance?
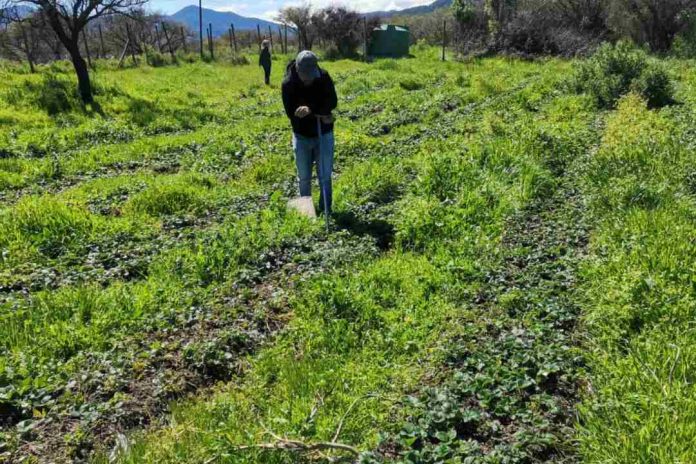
(154, 284)
(640, 289)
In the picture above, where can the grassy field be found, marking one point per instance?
(509, 277)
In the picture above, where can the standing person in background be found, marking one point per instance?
(265, 61)
(309, 94)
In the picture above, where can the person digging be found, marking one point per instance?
(309, 97)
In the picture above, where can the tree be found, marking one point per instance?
(587, 15)
(340, 27)
(21, 39)
(68, 19)
(299, 17)
(499, 13)
(655, 22)
(464, 11)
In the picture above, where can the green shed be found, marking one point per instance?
(390, 41)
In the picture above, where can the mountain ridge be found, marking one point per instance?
(412, 11)
(221, 21)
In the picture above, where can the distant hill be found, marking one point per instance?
(416, 10)
(19, 11)
(220, 20)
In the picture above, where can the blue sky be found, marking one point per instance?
(267, 8)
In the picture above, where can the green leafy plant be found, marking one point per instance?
(615, 70)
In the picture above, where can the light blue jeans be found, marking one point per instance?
(306, 155)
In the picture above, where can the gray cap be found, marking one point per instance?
(307, 66)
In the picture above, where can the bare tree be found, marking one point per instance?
(21, 39)
(341, 28)
(52, 46)
(588, 15)
(655, 22)
(68, 19)
(300, 17)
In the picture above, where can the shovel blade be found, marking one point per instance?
(304, 206)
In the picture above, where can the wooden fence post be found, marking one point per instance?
(102, 50)
(200, 24)
(123, 53)
(169, 42)
(365, 38)
(270, 37)
(157, 36)
(234, 38)
(84, 39)
(444, 39)
(210, 41)
(258, 35)
(183, 39)
(130, 44)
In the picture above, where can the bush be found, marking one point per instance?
(655, 86)
(541, 33)
(332, 54)
(341, 28)
(155, 58)
(615, 70)
(187, 57)
(240, 60)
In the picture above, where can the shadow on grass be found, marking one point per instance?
(382, 231)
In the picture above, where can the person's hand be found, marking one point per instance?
(327, 119)
(303, 112)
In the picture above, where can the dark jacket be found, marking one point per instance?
(320, 97)
(265, 58)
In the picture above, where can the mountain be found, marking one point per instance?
(416, 10)
(13, 12)
(220, 20)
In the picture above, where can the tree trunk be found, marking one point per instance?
(27, 48)
(83, 82)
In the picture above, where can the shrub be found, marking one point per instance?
(240, 60)
(332, 54)
(655, 86)
(615, 70)
(342, 29)
(155, 58)
(187, 57)
(541, 33)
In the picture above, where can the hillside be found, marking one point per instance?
(416, 10)
(221, 20)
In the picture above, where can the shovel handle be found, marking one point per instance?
(321, 170)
